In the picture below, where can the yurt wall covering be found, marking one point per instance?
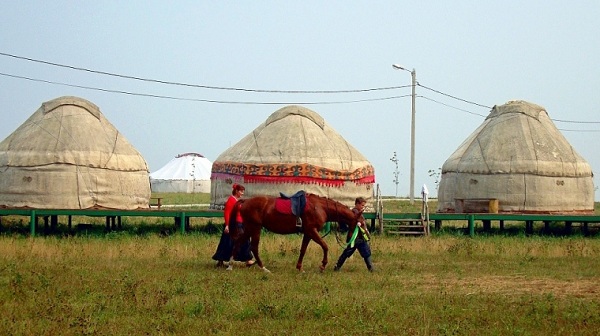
(68, 156)
(186, 173)
(294, 149)
(519, 157)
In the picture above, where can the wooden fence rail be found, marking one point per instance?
(181, 218)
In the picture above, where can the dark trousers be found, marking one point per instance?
(363, 248)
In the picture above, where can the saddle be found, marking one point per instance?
(292, 205)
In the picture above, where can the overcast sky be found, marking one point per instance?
(468, 57)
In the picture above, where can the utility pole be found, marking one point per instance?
(413, 75)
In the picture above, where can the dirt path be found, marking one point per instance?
(518, 285)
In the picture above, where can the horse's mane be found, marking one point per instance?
(338, 207)
(327, 199)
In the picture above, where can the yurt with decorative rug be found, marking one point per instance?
(185, 173)
(294, 149)
(68, 156)
(519, 158)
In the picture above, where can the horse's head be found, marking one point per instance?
(355, 217)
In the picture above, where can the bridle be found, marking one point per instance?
(341, 242)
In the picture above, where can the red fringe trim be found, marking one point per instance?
(296, 179)
(304, 180)
(293, 171)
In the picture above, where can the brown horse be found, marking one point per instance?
(258, 212)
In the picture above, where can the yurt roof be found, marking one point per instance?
(517, 137)
(518, 158)
(293, 149)
(67, 155)
(187, 166)
(295, 134)
(70, 130)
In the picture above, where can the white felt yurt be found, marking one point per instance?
(185, 173)
(518, 157)
(67, 155)
(294, 149)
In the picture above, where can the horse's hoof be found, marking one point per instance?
(229, 268)
(265, 270)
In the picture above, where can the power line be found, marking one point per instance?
(463, 100)
(249, 90)
(198, 85)
(577, 122)
(456, 108)
(571, 130)
(481, 115)
(265, 103)
(453, 97)
(201, 100)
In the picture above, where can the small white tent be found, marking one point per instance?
(186, 173)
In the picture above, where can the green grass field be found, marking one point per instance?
(141, 281)
(121, 284)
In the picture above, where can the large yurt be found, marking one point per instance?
(185, 173)
(519, 158)
(68, 156)
(294, 149)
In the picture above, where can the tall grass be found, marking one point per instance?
(146, 280)
(123, 284)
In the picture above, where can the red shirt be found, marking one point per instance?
(231, 201)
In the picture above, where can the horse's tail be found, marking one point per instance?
(233, 228)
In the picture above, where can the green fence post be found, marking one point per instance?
(182, 222)
(32, 223)
(471, 225)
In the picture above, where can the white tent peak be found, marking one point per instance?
(189, 154)
(186, 173)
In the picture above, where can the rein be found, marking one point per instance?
(328, 229)
(337, 218)
(355, 234)
(337, 232)
(338, 239)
